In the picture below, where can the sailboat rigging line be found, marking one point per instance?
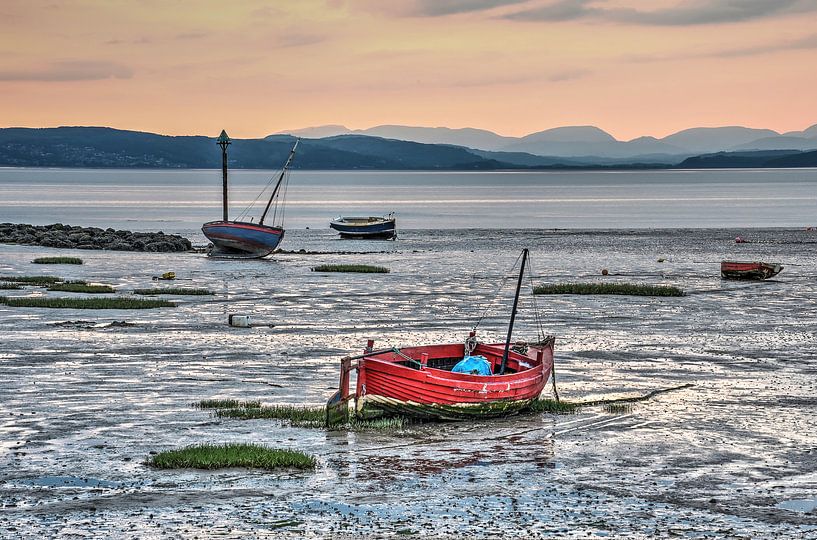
(540, 328)
(496, 294)
(280, 179)
(250, 206)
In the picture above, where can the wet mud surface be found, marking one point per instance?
(85, 398)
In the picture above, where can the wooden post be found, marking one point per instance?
(223, 141)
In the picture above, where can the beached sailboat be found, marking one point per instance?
(370, 227)
(427, 382)
(749, 270)
(246, 239)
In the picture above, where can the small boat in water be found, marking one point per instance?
(749, 270)
(245, 239)
(425, 382)
(383, 228)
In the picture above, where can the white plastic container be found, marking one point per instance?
(240, 321)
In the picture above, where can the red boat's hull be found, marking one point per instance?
(749, 270)
(390, 384)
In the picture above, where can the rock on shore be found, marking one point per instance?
(66, 236)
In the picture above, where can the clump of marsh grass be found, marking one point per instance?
(220, 456)
(295, 415)
(553, 406)
(81, 287)
(618, 408)
(32, 280)
(84, 303)
(356, 268)
(608, 288)
(304, 416)
(9, 286)
(57, 260)
(180, 291)
(226, 404)
(376, 424)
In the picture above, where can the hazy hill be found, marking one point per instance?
(589, 142)
(108, 148)
(762, 159)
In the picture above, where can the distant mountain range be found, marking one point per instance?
(101, 147)
(589, 143)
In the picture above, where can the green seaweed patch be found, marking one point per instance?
(226, 404)
(57, 260)
(9, 286)
(628, 289)
(179, 291)
(81, 288)
(32, 280)
(553, 406)
(84, 303)
(220, 456)
(353, 268)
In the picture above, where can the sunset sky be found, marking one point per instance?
(631, 67)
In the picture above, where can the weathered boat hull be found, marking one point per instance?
(241, 239)
(749, 270)
(387, 384)
(383, 229)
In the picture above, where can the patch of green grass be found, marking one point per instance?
(553, 406)
(81, 288)
(376, 424)
(85, 303)
(226, 404)
(357, 268)
(9, 286)
(32, 280)
(220, 456)
(173, 290)
(296, 415)
(609, 288)
(57, 260)
(304, 416)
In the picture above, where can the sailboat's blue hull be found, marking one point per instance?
(238, 238)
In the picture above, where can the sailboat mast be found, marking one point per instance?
(278, 184)
(223, 141)
(513, 311)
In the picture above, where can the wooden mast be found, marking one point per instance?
(223, 141)
(513, 311)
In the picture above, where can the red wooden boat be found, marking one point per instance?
(749, 270)
(418, 382)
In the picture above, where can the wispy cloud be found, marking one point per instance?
(191, 35)
(298, 39)
(800, 44)
(687, 13)
(69, 70)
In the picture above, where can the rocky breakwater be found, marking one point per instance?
(66, 236)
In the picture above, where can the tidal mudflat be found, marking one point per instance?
(84, 402)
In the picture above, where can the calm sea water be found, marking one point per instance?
(179, 201)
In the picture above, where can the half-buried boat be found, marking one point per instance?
(749, 270)
(245, 239)
(424, 382)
